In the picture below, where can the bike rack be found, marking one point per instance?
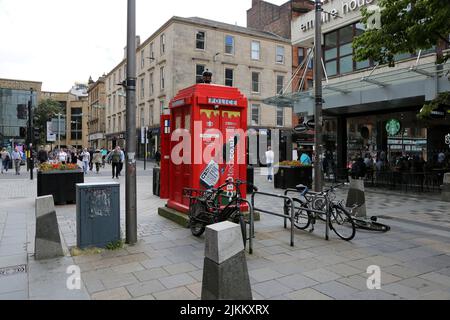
(315, 195)
(274, 213)
(251, 225)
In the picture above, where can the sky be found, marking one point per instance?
(60, 42)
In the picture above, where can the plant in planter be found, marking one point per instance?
(293, 164)
(292, 173)
(59, 180)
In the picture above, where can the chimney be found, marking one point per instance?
(255, 2)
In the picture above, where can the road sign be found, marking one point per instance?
(301, 128)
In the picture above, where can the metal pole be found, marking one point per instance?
(30, 135)
(130, 177)
(318, 183)
(145, 149)
(59, 132)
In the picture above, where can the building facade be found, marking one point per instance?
(14, 98)
(371, 109)
(96, 112)
(175, 56)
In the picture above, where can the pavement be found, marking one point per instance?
(167, 261)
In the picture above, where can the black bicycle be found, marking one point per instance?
(311, 206)
(215, 205)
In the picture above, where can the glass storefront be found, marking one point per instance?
(14, 116)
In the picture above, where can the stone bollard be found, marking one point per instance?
(445, 194)
(356, 196)
(225, 273)
(47, 240)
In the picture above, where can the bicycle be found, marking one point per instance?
(370, 224)
(320, 205)
(206, 208)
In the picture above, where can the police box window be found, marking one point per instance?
(200, 40)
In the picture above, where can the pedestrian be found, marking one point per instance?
(97, 160)
(85, 158)
(62, 156)
(42, 155)
(91, 159)
(270, 156)
(104, 154)
(16, 157)
(122, 160)
(305, 158)
(114, 157)
(358, 168)
(73, 157)
(6, 158)
(158, 156)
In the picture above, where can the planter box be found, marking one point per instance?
(290, 177)
(60, 184)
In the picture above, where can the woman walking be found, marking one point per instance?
(86, 157)
(97, 160)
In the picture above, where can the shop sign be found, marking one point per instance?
(301, 128)
(393, 127)
(447, 139)
(226, 102)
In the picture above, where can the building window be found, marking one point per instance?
(311, 58)
(142, 118)
(256, 50)
(109, 125)
(255, 114)
(310, 83)
(151, 84)
(280, 116)
(152, 52)
(150, 116)
(229, 44)
(200, 40)
(199, 69)
(114, 124)
(229, 77)
(280, 82)
(300, 55)
(142, 58)
(163, 44)
(114, 102)
(161, 107)
(162, 79)
(142, 88)
(255, 82)
(280, 54)
(120, 123)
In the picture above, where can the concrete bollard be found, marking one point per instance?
(47, 239)
(356, 196)
(225, 272)
(445, 194)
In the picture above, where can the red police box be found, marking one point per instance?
(207, 144)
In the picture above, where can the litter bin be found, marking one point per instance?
(156, 181)
(250, 179)
(98, 214)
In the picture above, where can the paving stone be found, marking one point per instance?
(93, 286)
(270, 289)
(401, 291)
(114, 294)
(297, 282)
(356, 281)
(335, 289)
(156, 263)
(151, 274)
(437, 278)
(119, 280)
(401, 271)
(423, 285)
(181, 293)
(322, 275)
(13, 283)
(145, 288)
(178, 280)
(128, 268)
(343, 269)
(435, 295)
(308, 294)
(265, 274)
(16, 295)
(372, 295)
(180, 268)
(197, 275)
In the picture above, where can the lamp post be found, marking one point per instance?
(130, 85)
(30, 135)
(318, 118)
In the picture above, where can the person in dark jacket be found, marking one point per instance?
(158, 157)
(358, 169)
(42, 155)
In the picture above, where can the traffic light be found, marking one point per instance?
(23, 132)
(149, 135)
(36, 134)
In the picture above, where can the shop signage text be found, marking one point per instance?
(334, 13)
(226, 102)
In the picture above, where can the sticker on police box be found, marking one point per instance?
(210, 176)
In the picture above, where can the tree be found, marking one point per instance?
(406, 27)
(46, 110)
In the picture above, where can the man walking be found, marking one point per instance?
(122, 160)
(6, 158)
(270, 156)
(115, 156)
(62, 156)
(17, 159)
(42, 155)
(85, 158)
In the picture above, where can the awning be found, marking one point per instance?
(425, 80)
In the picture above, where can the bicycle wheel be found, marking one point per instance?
(370, 225)
(197, 227)
(301, 216)
(342, 223)
(319, 204)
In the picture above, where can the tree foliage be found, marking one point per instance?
(406, 27)
(442, 100)
(46, 110)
